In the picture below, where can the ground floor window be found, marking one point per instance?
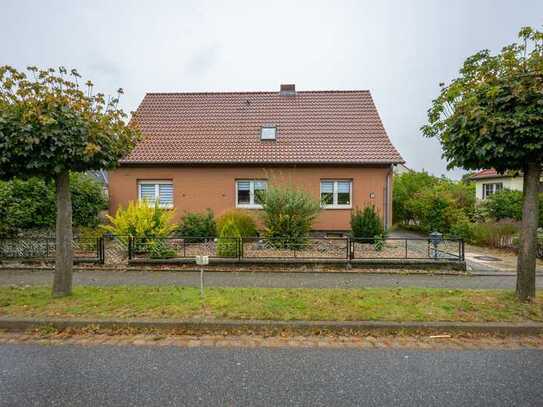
(336, 194)
(491, 189)
(156, 191)
(249, 192)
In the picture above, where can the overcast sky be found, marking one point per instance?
(399, 50)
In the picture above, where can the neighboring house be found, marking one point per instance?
(217, 150)
(488, 182)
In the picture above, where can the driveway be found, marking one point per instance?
(265, 279)
(68, 375)
(479, 259)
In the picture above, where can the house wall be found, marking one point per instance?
(199, 187)
(512, 183)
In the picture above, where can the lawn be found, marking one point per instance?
(398, 304)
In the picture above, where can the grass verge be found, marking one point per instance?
(399, 304)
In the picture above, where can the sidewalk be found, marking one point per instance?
(265, 279)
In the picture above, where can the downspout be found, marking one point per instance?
(387, 200)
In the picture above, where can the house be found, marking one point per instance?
(488, 182)
(217, 150)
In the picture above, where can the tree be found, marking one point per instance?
(492, 116)
(50, 126)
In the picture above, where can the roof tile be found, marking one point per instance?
(312, 127)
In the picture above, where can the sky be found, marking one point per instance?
(399, 50)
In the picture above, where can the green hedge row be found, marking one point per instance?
(30, 204)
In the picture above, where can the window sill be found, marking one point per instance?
(248, 206)
(337, 207)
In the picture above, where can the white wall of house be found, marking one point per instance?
(513, 183)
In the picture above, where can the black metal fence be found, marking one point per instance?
(116, 250)
(313, 248)
(44, 248)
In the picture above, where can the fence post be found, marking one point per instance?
(348, 243)
(98, 250)
(130, 244)
(462, 250)
(406, 248)
(240, 247)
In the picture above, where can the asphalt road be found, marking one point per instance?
(68, 375)
(264, 279)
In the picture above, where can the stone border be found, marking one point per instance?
(275, 327)
(296, 263)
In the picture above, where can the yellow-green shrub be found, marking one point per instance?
(142, 221)
(243, 221)
(228, 244)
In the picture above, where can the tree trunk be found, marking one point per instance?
(528, 234)
(62, 284)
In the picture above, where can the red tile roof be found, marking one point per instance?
(489, 173)
(312, 127)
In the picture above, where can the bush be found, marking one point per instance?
(142, 221)
(30, 204)
(463, 230)
(405, 186)
(379, 242)
(366, 223)
(243, 221)
(228, 244)
(507, 204)
(88, 199)
(491, 234)
(195, 225)
(288, 214)
(159, 249)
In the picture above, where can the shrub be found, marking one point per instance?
(379, 242)
(491, 234)
(159, 249)
(142, 221)
(288, 214)
(30, 204)
(228, 244)
(195, 225)
(243, 221)
(405, 186)
(366, 223)
(427, 203)
(507, 204)
(88, 199)
(463, 230)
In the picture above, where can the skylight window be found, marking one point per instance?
(268, 133)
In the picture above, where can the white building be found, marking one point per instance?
(488, 182)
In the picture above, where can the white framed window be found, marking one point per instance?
(336, 194)
(491, 189)
(268, 133)
(248, 193)
(156, 190)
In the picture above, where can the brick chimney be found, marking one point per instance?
(288, 89)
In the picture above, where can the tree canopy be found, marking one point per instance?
(50, 124)
(492, 114)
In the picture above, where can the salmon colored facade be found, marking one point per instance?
(198, 187)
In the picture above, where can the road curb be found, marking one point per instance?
(262, 326)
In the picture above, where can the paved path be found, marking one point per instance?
(265, 279)
(34, 375)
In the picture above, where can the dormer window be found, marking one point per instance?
(268, 133)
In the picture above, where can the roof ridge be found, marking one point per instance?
(265, 92)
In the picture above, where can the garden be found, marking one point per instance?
(425, 203)
(145, 231)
